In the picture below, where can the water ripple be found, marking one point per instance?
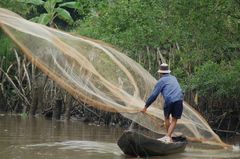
(89, 146)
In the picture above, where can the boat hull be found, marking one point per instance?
(136, 144)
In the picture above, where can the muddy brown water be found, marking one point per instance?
(37, 138)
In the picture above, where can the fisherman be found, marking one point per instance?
(171, 91)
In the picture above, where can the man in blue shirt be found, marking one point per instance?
(171, 91)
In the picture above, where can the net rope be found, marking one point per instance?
(98, 74)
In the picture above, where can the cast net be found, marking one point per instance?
(98, 74)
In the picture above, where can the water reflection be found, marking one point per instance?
(24, 138)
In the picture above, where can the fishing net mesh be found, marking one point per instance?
(98, 74)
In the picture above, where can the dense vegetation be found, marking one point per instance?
(199, 39)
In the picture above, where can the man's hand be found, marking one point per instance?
(143, 110)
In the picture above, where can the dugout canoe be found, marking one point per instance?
(136, 144)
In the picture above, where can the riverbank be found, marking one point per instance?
(26, 90)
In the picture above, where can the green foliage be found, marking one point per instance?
(16, 6)
(200, 25)
(196, 26)
(199, 38)
(72, 5)
(129, 24)
(202, 36)
(35, 2)
(54, 9)
(218, 81)
(6, 51)
(207, 78)
(24, 115)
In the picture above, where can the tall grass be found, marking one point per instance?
(6, 50)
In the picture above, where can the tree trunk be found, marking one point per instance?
(33, 107)
(2, 101)
(69, 102)
(57, 109)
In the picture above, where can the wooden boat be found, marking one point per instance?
(136, 144)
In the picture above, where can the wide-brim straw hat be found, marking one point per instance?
(164, 68)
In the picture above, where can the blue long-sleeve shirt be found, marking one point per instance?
(170, 89)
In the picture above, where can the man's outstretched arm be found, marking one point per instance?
(153, 96)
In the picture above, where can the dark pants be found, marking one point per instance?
(175, 109)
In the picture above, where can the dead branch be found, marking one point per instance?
(27, 76)
(15, 87)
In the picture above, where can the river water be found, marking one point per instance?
(37, 138)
